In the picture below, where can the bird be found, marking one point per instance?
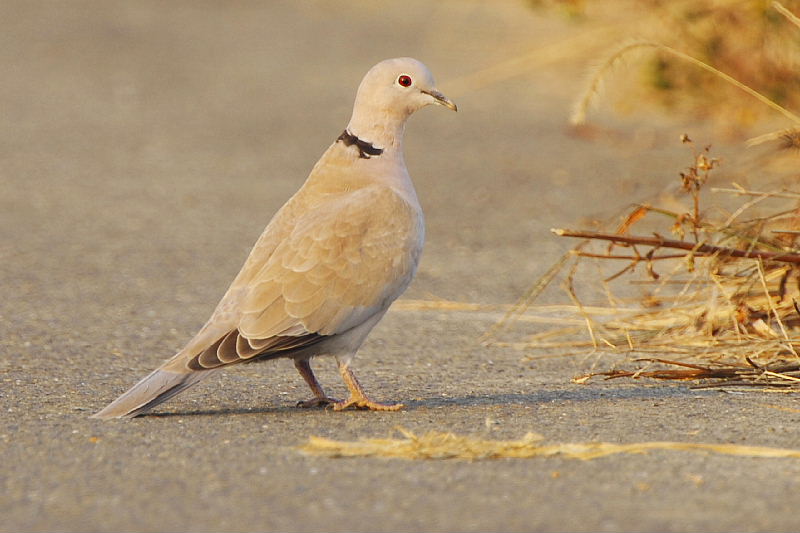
(328, 264)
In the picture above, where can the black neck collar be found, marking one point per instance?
(365, 149)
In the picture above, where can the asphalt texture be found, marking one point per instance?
(143, 148)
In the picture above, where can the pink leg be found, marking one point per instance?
(319, 399)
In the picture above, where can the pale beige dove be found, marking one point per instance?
(329, 263)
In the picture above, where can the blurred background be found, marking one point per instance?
(174, 131)
(145, 145)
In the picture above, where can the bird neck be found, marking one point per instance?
(376, 130)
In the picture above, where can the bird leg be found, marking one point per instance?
(358, 398)
(319, 399)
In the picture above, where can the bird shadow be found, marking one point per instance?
(583, 394)
(539, 397)
(225, 411)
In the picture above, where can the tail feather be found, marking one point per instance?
(159, 386)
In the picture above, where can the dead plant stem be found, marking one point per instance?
(695, 248)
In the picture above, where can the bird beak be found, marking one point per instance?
(439, 98)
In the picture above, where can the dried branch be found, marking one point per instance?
(780, 375)
(695, 248)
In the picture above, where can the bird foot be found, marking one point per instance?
(318, 402)
(364, 403)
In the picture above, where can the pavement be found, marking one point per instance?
(145, 145)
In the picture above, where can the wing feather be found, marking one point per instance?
(337, 264)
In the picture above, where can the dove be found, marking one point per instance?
(329, 263)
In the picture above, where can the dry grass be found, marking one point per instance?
(439, 445)
(704, 53)
(689, 292)
(722, 290)
(595, 81)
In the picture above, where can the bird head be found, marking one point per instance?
(398, 87)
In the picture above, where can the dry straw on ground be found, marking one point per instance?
(438, 445)
(719, 288)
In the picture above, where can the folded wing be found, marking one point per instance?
(339, 264)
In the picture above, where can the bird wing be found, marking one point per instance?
(343, 261)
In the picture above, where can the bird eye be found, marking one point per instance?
(404, 80)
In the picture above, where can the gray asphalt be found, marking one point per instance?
(145, 145)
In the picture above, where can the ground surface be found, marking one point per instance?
(144, 146)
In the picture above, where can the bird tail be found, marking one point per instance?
(159, 386)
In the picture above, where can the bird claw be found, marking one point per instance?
(366, 404)
(317, 402)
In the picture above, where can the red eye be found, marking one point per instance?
(404, 80)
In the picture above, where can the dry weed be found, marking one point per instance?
(706, 52)
(439, 445)
(721, 288)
